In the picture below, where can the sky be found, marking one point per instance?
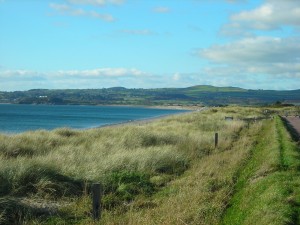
(66, 44)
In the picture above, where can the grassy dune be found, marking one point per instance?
(164, 172)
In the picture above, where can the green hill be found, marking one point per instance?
(209, 88)
(200, 94)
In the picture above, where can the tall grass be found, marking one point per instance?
(201, 195)
(60, 165)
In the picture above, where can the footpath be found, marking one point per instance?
(294, 121)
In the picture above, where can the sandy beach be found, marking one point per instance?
(145, 121)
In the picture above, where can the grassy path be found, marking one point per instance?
(290, 163)
(294, 122)
(267, 189)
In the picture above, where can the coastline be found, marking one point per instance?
(175, 107)
(142, 121)
(185, 110)
(149, 120)
(138, 122)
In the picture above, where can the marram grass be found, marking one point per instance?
(164, 172)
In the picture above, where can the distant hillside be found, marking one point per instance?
(200, 94)
(209, 88)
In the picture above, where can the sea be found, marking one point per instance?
(17, 118)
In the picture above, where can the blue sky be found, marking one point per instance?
(55, 44)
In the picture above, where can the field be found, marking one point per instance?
(164, 172)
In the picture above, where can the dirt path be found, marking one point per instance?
(295, 122)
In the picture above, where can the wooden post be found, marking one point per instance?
(216, 139)
(96, 195)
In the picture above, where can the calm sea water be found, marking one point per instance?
(19, 118)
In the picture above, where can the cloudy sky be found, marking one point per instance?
(253, 44)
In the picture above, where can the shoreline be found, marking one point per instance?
(175, 107)
(149, 120)
(179, 107)
(144, 121)
(129, 122)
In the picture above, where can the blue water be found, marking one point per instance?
(20, 118)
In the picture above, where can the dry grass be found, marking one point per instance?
(200, 196)
(191, 181)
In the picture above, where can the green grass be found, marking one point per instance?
(164, 172)
(267, 189)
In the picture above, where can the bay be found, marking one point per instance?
(19, 118)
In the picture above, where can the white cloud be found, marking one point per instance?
(272, 15)
(18, 74)
(138, 32)
(105, 17)
(93, 78)
(65, 9)
(133, 78)
(262, 62)
(101, 72)
(235, 1)
(70, 74)
(276, 57)
(60, 7)
(96, 2)
(161, 9)
(176, 77)
(255, 50)
(229, 1)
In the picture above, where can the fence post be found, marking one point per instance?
(216, 139)
(96, 195)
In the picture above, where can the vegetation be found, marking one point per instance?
(164, 172)
(202, 94)
(268, 185)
